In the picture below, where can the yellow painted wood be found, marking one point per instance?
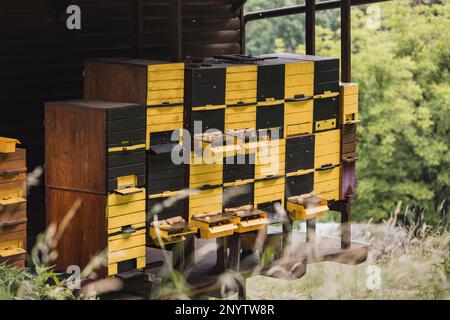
(13, 193)
(165, 67)
(212, 207)
(348, 88)
(8, 145)
(328, 148)
(151, 101)
(299, 212)
(199, 180)
(299, 106)
(325, 124)
(241, 69)
(327, 137)
(327, 94)
(329, 159)
(299, 173)
(125, 220)
(251, 225)
(203, 169)
(165, 119)
(208, 107)
(8, 200)
(268, 190)
(240, 100)
(11, 248)
(299, 68)
(166, 75)
(126, 182)
(126, 242)
(127, 254)
(306, 90)
(242, 85)
(165, 84)
(240, 116)
(127, 148)
(298, 129)
(161, 111)
(331, 195)
(325, 175)
(350, 99)
(240, 94)
(166, 94)
(269, 102)
(242, 76)
(299, 80)
(126, 236)
(216, 232)
(126, 208)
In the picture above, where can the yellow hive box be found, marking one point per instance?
(327, 183)
(209, 200)
(165, 84)
(8, 145)
(257, 221)
(299, 79)
(211, 230)
(269, 190)
(309, 207)
(348, 103)
(270, 158)
(11, 248)
(298, 116)
(240, 117)
(327, 148)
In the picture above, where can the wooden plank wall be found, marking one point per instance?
(41, 60)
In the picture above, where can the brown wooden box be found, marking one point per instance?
(86, 235)
(13, 217)
(86, 142)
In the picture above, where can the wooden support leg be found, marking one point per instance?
(311, 230)
(235, 252)
(346, 217)
(178, 256)
(287, 235)
(221, 264)
(189, 250)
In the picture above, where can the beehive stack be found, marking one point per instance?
(160, 87)
(95, 152)
(13, 210)
(312, 126)
(271, 130)
(348, 119)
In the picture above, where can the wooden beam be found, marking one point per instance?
(237, 5)
(176, 31)
(346, 41)
(286, 11)
(310, 29)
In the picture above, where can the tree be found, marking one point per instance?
(402, 67)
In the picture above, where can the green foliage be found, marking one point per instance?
(402, 66)
(22, 284)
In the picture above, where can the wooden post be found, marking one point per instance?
(176, 31)
(311, 230)
(235, 252)
(346, 217)
(346, 41)
(310, 21)
(222, 256)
